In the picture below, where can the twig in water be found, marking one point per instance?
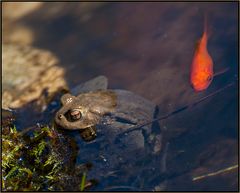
(190, 105)
(215, 173)
(116, 188)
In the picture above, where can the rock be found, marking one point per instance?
(97, 83)
(17, 29)
(13, 31)
(27, 72)
(18, 34)
(21, 7)
(118, 159)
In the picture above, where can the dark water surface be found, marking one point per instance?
(147, 48)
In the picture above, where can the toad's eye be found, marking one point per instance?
(75, 114)
(209, 78)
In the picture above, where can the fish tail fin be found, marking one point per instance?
(205, 27)
(206, 23)
(207, 30)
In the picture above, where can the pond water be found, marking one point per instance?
(147, 48)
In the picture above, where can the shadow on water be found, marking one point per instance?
(147, 48)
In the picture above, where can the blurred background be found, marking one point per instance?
(146, 48)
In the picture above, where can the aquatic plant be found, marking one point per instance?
(40, 159)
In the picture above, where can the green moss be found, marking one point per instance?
(39, 162)
(83, 182)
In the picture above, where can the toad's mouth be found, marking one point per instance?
(89, 133)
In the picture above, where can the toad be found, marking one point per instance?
(111, 111)
(85, 111)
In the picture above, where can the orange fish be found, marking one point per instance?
(202, 64)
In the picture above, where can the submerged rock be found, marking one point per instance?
(13, 30)
(21, 7)
(27, 72)
(129, 160)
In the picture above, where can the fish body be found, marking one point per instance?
(202, 65)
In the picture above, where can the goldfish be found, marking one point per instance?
(202, 65)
